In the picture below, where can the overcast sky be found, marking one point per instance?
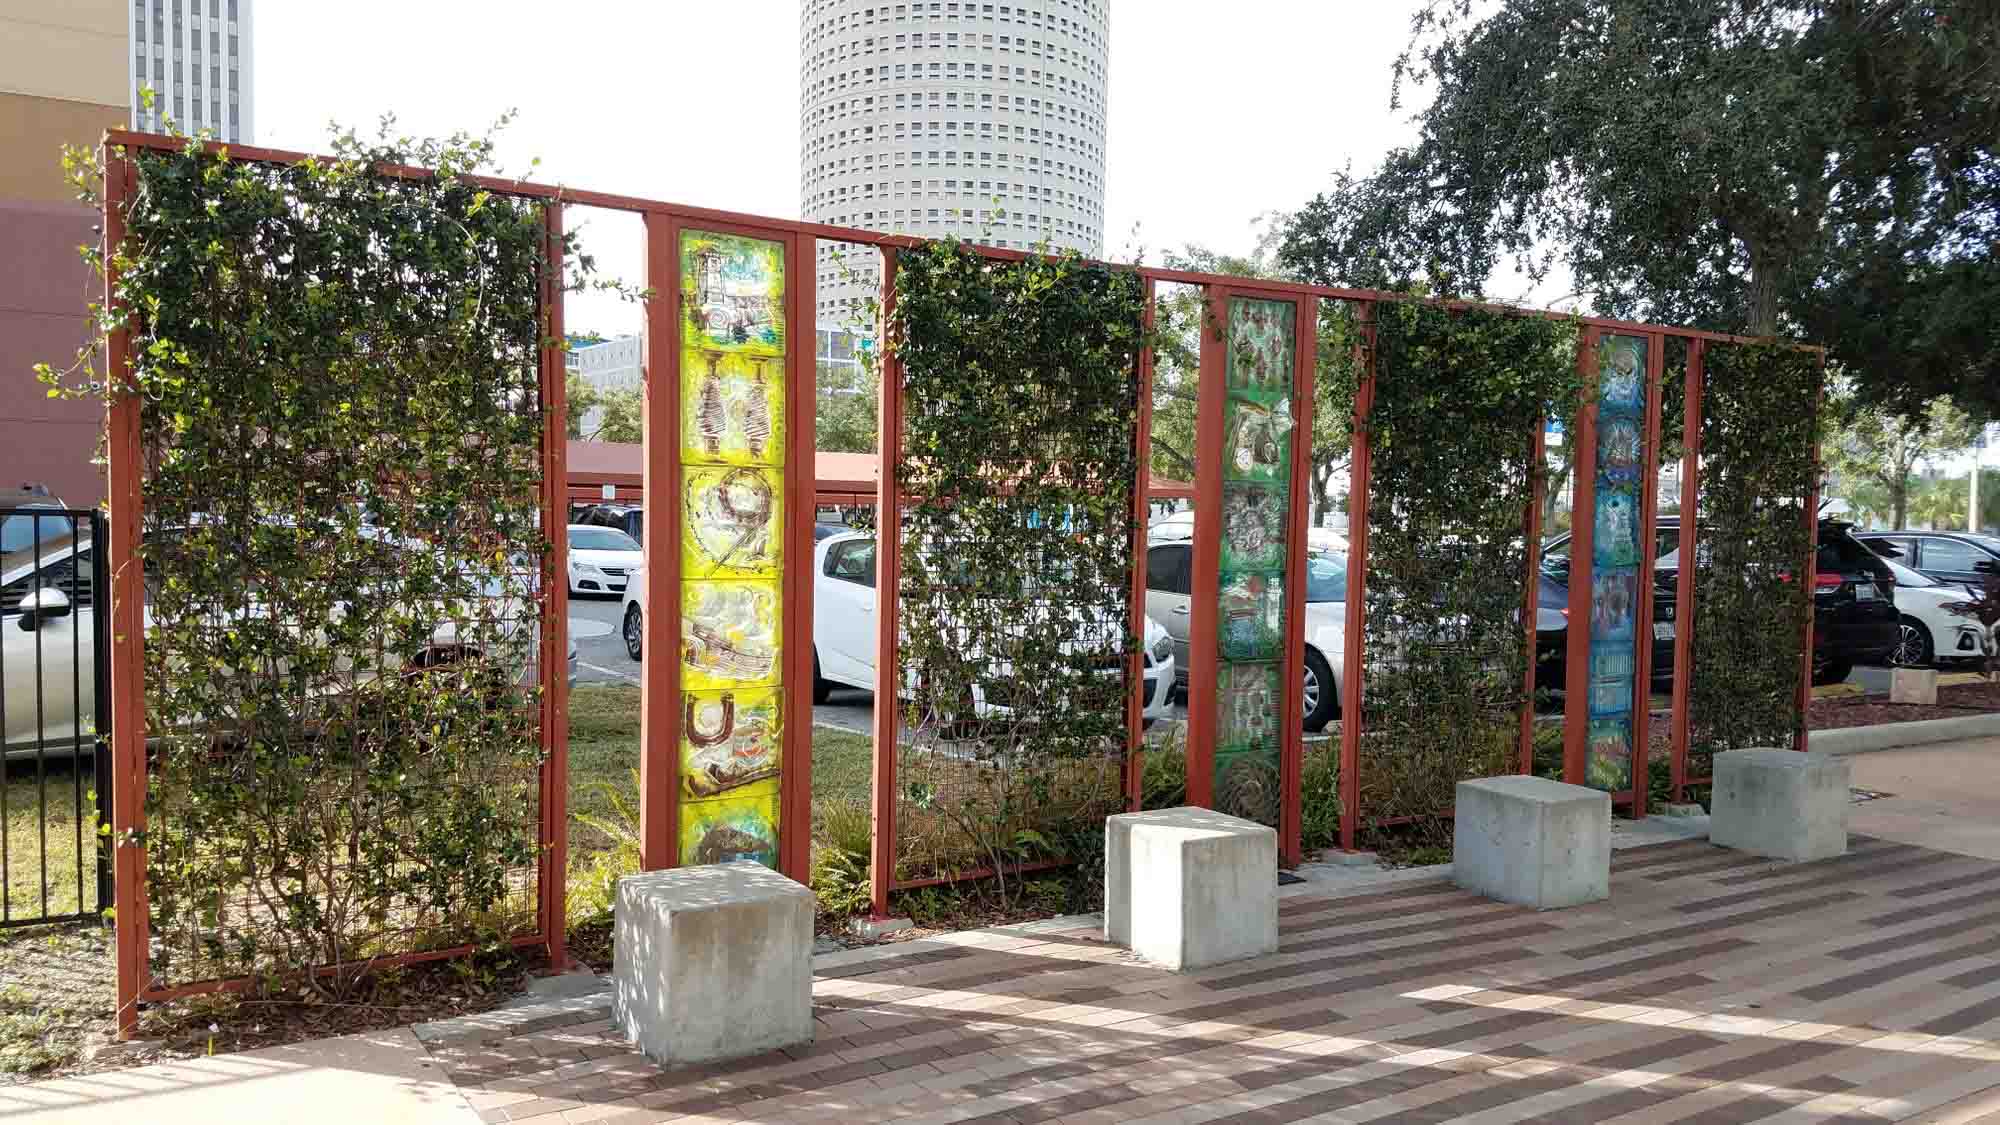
(1218, 113)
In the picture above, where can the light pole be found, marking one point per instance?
(1978, 455)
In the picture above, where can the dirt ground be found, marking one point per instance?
(1954, 700)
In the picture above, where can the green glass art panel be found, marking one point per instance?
(1258, 428)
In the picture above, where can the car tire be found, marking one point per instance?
(1913, 647)
(635, 632)
(822, 689)
(1831, 671)
(1322, 699)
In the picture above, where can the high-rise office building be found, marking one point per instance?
(951, 118)
(195, 56)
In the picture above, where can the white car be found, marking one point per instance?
(1169, 597)
(601, 559)
(1930, 633)
(48, 653)
(844, 629)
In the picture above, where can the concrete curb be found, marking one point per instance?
(1889, 736)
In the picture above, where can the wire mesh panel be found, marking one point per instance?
(1019, 406)
(1458, 396)
(1759, 431)
(342, 421)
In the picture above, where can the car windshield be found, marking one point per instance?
(1986, 541)
(1905, 576)
(21, 530)
(1326, 578)
(600, 539)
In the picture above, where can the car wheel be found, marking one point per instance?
(1831, 671)
(1322, 702)
(1913, 646)
(822, 689)
(635, 633)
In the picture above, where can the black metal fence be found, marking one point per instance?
(55, 859)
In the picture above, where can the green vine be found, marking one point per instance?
(1020, 401)
(1458, 398)
(1750, 602)
(342, 430)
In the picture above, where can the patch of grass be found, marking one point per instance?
(43, 881)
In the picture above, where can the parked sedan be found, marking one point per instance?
(48, 652)
(844, 631)
(601, 560)
(1941, 556)
(1931, 634)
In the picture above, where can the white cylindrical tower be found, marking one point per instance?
(951, 119)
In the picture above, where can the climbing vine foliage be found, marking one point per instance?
(336, 371)
(1020, 392)
(1458, 398)
(1758, 434)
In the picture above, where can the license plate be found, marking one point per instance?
(1663, 630)
(1866, 592)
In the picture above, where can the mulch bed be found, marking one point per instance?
(1954, 701)
(58, 1001)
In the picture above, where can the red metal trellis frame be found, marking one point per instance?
(660, 686)
(1811, 568)
(1642, 633)
(552, 873)
(127, 738)
(1142, 505)
(661, 478)
(1583, 478)
(1360, 469)
(888, 571)
(1292, 745)
(1211, 391)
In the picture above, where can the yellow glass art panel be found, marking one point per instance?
(735, 522)
(730, 741)
(732, 293)
(741, 825)
(732, 408)
(730, 634)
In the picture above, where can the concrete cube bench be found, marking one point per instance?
(1190, 887)
(1780, 803)
(1532, 841)
(712, 963)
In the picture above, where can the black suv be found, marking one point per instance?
(628, 518)
(1854, 603)
(1941, 556)
(1552, 630)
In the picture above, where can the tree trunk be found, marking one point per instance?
(1763, 292)
(1899, 500)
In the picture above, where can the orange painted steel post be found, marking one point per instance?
(1291, 723)
(1142, 442)
(1211, 395)
(659, 693)
(1690, 506)
(1812, 567)
(801, 509)
(1531, 602)
(1642, 630)
(888, 572)
(128, 625)
(1582, 520)
(1360, 466)
(553, 874)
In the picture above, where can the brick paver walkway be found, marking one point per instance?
(1713, 987)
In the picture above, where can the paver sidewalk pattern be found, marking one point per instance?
(1712, 987)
